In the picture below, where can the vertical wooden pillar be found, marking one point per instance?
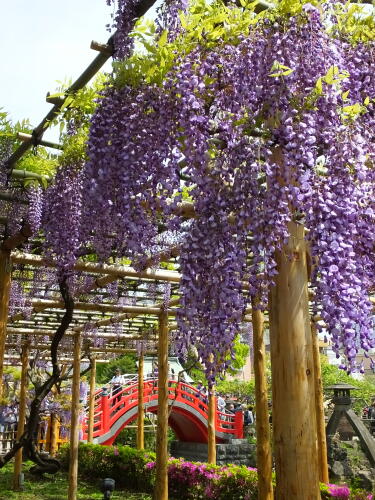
(211, 426)
(5, 274)
(293, 414)
(47, 446)
(319, 408)
(141, 410)
(54, 433)
(161, 482)
(90, 430)
(74, 429)
(17, 485)
(264, 451)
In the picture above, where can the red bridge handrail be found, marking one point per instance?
(110, 407)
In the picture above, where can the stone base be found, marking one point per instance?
(236, 451)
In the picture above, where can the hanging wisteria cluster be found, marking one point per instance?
(19, 300)
(257, 121)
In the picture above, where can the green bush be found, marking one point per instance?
(135, 470)
(125, 465)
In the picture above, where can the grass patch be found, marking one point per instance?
(55, 487)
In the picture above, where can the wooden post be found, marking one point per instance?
(161, 481)
(90, 430)
(264, 451)
(17, 484)
(211, 427)
(5, 274)
(54, 434)
(47, 445)
(74, 429)
(293, 414)
(141, 410)
(320, 420)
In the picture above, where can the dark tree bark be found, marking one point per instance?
(28, 440)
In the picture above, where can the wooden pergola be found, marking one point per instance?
(294, 346)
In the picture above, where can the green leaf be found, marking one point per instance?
(366, 102)
(319, 86)
(345, 95)
(183, 20)
(280, 70)
(330, 74)
(163, 40)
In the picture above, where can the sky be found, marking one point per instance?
(42, 42)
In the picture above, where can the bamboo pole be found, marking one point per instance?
(74, 429)
(117, 271)
(161, 481)
(294, 425)
(87, 306)
(113, 271)
(90, 433)
(17, 482)
(5, 275)
(264, 451)
(141, 410)
(98, 350)
(47, 447)
(50, 333)
(211, 426)
(104, 48)
(48, 144)
(319, 408)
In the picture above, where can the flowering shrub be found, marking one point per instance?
(342, 492)
(194, 480)
(135, 469)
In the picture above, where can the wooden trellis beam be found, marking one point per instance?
(101, 350)
(74, 427)
(140, 9)
(90, 433)
(51, 333)
(111, 270)
(106, 308)
(14, 360)
(17, 239)
(5, 280)
(17, 483)
(48, 144)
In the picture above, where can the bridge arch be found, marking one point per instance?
(188, 414)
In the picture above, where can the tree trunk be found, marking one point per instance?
(293, 414)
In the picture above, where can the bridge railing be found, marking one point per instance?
(110, 407)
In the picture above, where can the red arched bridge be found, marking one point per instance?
(188, 413)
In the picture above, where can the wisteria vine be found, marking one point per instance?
(259, 120)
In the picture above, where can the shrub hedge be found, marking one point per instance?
(135, 470)
(127, 466)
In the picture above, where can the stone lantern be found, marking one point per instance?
(341, 394)
(342, 401)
